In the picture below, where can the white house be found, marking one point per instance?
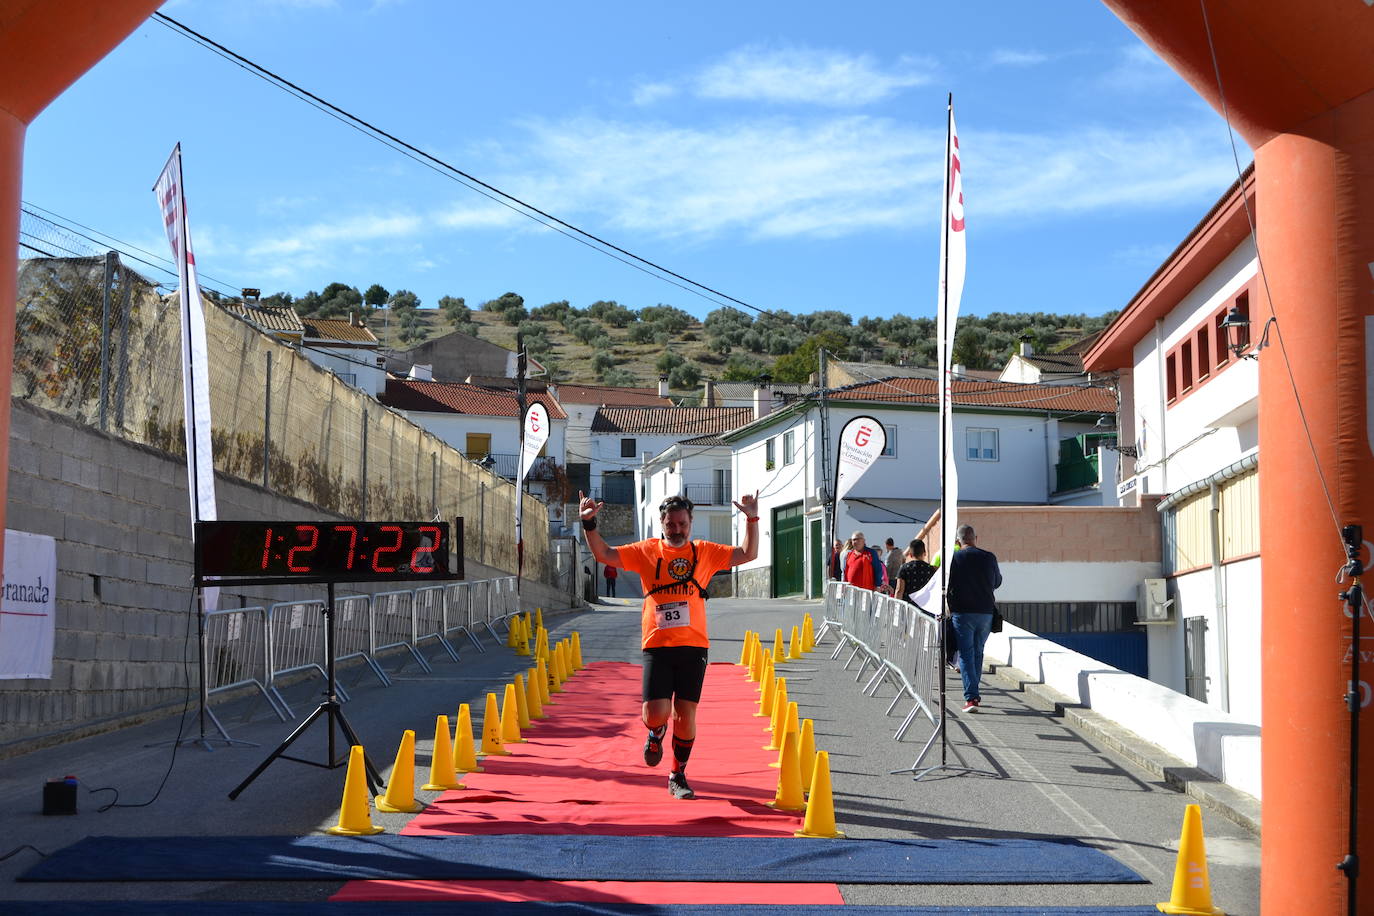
(580, 403)
(698, 468)
(1190, 409)
(484, 423)
(346, 348)
(1061, 367)
(623, 438)
(1009, 443)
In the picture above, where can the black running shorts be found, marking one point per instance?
(674, 671)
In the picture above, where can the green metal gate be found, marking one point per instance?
(789, 530)
(818, 558)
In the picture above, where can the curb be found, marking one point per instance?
(1237, 806)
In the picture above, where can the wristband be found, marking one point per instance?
(589, 524)
(751, 518)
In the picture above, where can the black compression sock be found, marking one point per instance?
(682, 749)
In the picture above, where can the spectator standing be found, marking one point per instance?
(973, 578)
(914, 571)
(836, 556)
(893, 561)
(611, 573)
(863, 567)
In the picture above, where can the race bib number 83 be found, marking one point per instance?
(672, 614)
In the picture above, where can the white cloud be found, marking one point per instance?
(1010, 58)
(649, 93)
(484, 215)
(1138, 70)
(1141, 254)
(314, 238)
(803, 75)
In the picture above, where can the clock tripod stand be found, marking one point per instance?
(330, 710)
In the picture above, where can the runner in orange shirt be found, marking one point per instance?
(675, 572)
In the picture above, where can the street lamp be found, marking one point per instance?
(1236, 327)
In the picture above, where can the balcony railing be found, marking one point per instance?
(707, 494)
(508, 465)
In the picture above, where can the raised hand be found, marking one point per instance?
(749, 504)
(586, 506)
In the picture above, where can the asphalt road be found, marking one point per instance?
(1038, 779)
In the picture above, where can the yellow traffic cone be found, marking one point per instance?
(578, 663)
(745, 646)
(755, 660)
(807, 749)
(532, 699)
(808, 634)
(542, 643)
(790, 727)
(522, 642)
(513, 633)
(568, 669)
(442, 774)
(794, 646)
(778, 724)
(522, 702)
(556, 670)
(539, 617)
(779, 655)
(789, 794)
(510, 718)
(542, 680)
(1192, 893)
(400, 791)
(766, 698)
(355, 814)
(491, 730)
(464, 753)
(820, 809)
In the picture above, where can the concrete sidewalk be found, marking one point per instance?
(1040, 777)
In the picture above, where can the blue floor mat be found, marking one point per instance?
(468, 908)
(583, 858)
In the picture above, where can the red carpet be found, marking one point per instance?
(664, 892)
(581, 770)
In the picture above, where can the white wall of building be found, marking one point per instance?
(1069, 581)
(360, 364)
(504, 431)
(1175, 443)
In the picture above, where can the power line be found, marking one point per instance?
(454, 173)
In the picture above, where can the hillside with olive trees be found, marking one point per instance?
(609, 343)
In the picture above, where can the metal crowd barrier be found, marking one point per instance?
(252, 646)
(429, 619)
(458, 613)
(295, 640)
(236, 654)
(393, 625)
(900, 640)
(353, 633)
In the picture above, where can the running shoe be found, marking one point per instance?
(971, 706)
(653, 749)
(677, 785)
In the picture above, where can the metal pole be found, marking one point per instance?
(125, 283)
(434, 483)
(111, 259)
(363, 480)
(267, 426)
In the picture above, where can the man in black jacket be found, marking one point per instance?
(973, 577)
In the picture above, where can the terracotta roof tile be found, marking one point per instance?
(611, 396)
(460, 397)
(269, 319)
(1013, 395)
(684, 421)
(337, 329)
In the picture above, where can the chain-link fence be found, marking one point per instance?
(100, 343)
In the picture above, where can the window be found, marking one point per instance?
(789, 447)
(890, 446)
(769, 454)
(627, 448)
(1171, 376)
(982, 444)
(478, 446)
(1204, 363)
(1185, 365)
(1204, 352)
(1222, 355)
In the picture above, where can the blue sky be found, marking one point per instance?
(787, 154)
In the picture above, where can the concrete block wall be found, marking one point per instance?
(121, 516)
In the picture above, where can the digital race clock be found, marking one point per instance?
(323, 551)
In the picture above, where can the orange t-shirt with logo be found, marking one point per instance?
(676, 615)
